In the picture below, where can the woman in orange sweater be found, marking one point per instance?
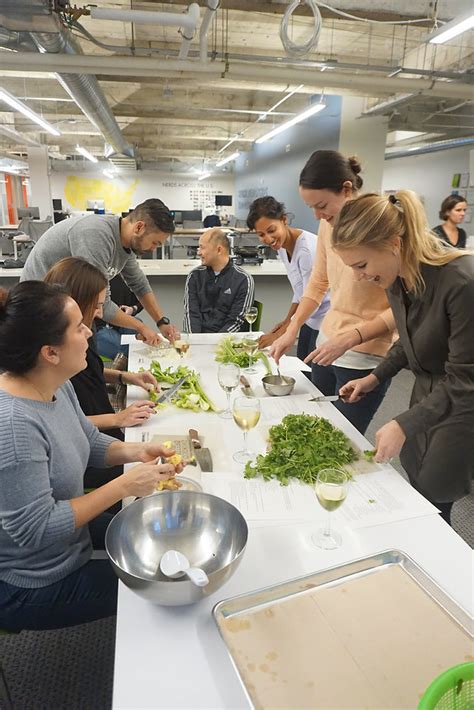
(358, 330)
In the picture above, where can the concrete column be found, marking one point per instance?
(366, 138)
(38, 163)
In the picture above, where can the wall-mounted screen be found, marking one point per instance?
(223, 200)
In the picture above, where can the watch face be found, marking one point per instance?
(163, 321)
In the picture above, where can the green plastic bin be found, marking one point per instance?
(452, 690)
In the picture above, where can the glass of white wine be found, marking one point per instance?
(182, 344)
(246, 413)
(250, 346)
(228, 375)
(331, 492)
(251, 316)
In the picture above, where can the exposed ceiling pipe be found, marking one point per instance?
(211, 7)
(187, 22)
(83, 88)
(429, 148)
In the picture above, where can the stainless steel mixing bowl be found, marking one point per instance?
(278, 385)
(209, 531)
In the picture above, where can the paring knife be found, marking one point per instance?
(203, 455)
(165, 396)
(246, 388)
(327, 398)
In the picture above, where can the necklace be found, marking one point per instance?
(43, 398)
(404, 286)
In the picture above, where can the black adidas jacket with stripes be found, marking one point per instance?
(217, 303)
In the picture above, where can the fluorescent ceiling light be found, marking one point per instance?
(23, 108)
(204, 176)
(18, 137)
(86, 154)
(311, 111)
(387, 104)
(453, 29)
(228, 159)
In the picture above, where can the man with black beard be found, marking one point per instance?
(112, 244)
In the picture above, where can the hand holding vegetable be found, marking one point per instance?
(142, 480)
(142, 379)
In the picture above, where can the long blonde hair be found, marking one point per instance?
(372, 220)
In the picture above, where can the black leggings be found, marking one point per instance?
(445, 511)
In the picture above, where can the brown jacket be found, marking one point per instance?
(436, 342)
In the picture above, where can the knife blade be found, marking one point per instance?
(165, 396)
(202, 454)
(246, 388)
(327, 398)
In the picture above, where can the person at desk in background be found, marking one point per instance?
(357, 331)
(430, 286)
(218, 293)
(108, 337)
(297, 249)
(112, 243)
(453, 210)
(87, 286)
(48, 526)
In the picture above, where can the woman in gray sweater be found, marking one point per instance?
(48, 527)
(430, 287)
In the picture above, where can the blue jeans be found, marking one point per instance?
(108, 341)
(331, 378)
(87, 594)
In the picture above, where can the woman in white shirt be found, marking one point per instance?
(296, 248)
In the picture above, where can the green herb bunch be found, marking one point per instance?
(191, 394)
(230, 350)
(301, 446)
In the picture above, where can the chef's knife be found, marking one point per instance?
(328, 398)
(203, 455)
(165, 396)
(246, 388)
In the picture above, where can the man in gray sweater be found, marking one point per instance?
(111, 243)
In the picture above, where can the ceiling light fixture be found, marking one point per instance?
(311, 111)
(234, 156)
(452, 29)
(7, 98)
(86, 154)
(204, 176)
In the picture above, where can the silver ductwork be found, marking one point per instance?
(24, 19)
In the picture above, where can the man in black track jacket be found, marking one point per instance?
(218, 293)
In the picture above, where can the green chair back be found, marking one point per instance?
(259, 306)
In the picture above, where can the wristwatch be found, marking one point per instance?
(163, 321)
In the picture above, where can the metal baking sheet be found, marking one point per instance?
(371, 633)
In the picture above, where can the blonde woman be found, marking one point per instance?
(430, 287)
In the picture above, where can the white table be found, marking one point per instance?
(173, 657)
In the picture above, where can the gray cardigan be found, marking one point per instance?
(45, 448)
(436, 342)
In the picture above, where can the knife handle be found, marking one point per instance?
(194, 436)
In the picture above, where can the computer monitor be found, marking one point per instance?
(57, 205)
(95, 205)
(31, 212)
(223, 200)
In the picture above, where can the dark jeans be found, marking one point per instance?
(330, 379)
(108, 341)
(306, 343)
(87, 594)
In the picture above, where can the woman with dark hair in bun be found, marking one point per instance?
(48, 526)
(452, 212)
(358, 329)
(297, 249)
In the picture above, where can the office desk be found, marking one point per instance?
(173, 657)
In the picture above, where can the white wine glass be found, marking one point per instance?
(250, 315)
(331, 492)
(228, 375)
(250, 346)
(246, 413)
(182, 344)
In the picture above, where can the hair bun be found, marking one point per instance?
(354, 162)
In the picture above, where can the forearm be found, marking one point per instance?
(151, 305)
(89, 506)
(120, 452)
(123, 321)
(104, 421)
(303, 311)
(368, 330)
(291, 312)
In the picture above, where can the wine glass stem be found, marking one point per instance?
(228, 400)
(327, 531)
(250, 361)
(246, 448)
(250, 324)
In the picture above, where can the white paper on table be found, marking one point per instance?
(275, 408)
(263, 500)
(381, 497)
(290, 363)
